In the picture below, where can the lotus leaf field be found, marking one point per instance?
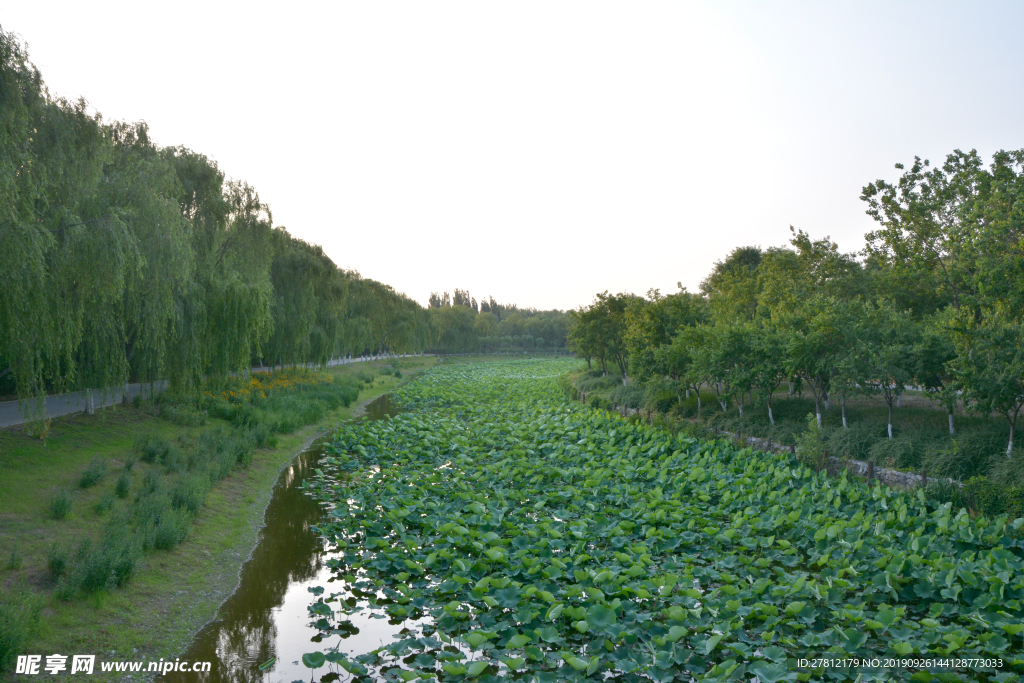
(524, 537)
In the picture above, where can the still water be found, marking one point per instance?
(267, 616)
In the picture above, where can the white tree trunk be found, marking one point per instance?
(771, 418)
(952, 429)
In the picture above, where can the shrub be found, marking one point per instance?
(129, 463)
(123, 485)
(57, 560)
(94, 473)
(261, 435)
(183, 415)
(902, 453)
(14, 559)
(189, 492)
(19, 621)
(171, 529)
(811, 445)
(96, 567)
(175, 461)
(104, 504)
(853, 443)
(152, 448)
(89, 572)
(151, 483)
(967, 456)
(633, 395)
(61, 503)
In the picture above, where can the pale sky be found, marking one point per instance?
(541, 152)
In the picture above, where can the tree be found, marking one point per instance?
(768, 362)
(890, 338)
(928, 226)
(933, 355)
(990, 364)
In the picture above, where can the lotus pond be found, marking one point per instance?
(523, 537)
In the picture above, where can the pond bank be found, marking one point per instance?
(174, 593)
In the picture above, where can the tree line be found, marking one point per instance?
(464, 325)
(934, 301)
(121, 259)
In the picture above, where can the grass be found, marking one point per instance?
(172, 592)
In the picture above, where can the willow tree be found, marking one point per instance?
(225, 316)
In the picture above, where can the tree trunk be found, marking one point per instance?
(791, 390)
(952, 429)
(842, 407)
(1013, 428)
(890, 419)
(771, 418)
(740, 405)
(698, 401)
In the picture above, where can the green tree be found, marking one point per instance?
(890, 338)
(990, 364)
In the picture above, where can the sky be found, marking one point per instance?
(541, 152)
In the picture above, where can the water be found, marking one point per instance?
(266, 617)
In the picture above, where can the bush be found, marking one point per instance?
(595, 380)
(14, 559)
(97, 567)
(171, 529)
(183, 415)
(57, 560)
(633, 395)
(153, 449)
(853, 443)
(129, 463)
(124, 484)
(151, 483)
(812, 445)
(175, 461)
(967, 455)
(19, 621)
(902, 452)
(94, 473)
(104, 504)
(189, 493)
(61, 503)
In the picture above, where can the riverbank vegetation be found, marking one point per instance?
(139, 481)
(554, 541)
(910, 353)
(121, 260)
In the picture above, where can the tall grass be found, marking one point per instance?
(20, 612)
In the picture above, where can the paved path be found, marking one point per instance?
(18, 412)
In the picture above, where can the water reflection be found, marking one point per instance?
(267, 616)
